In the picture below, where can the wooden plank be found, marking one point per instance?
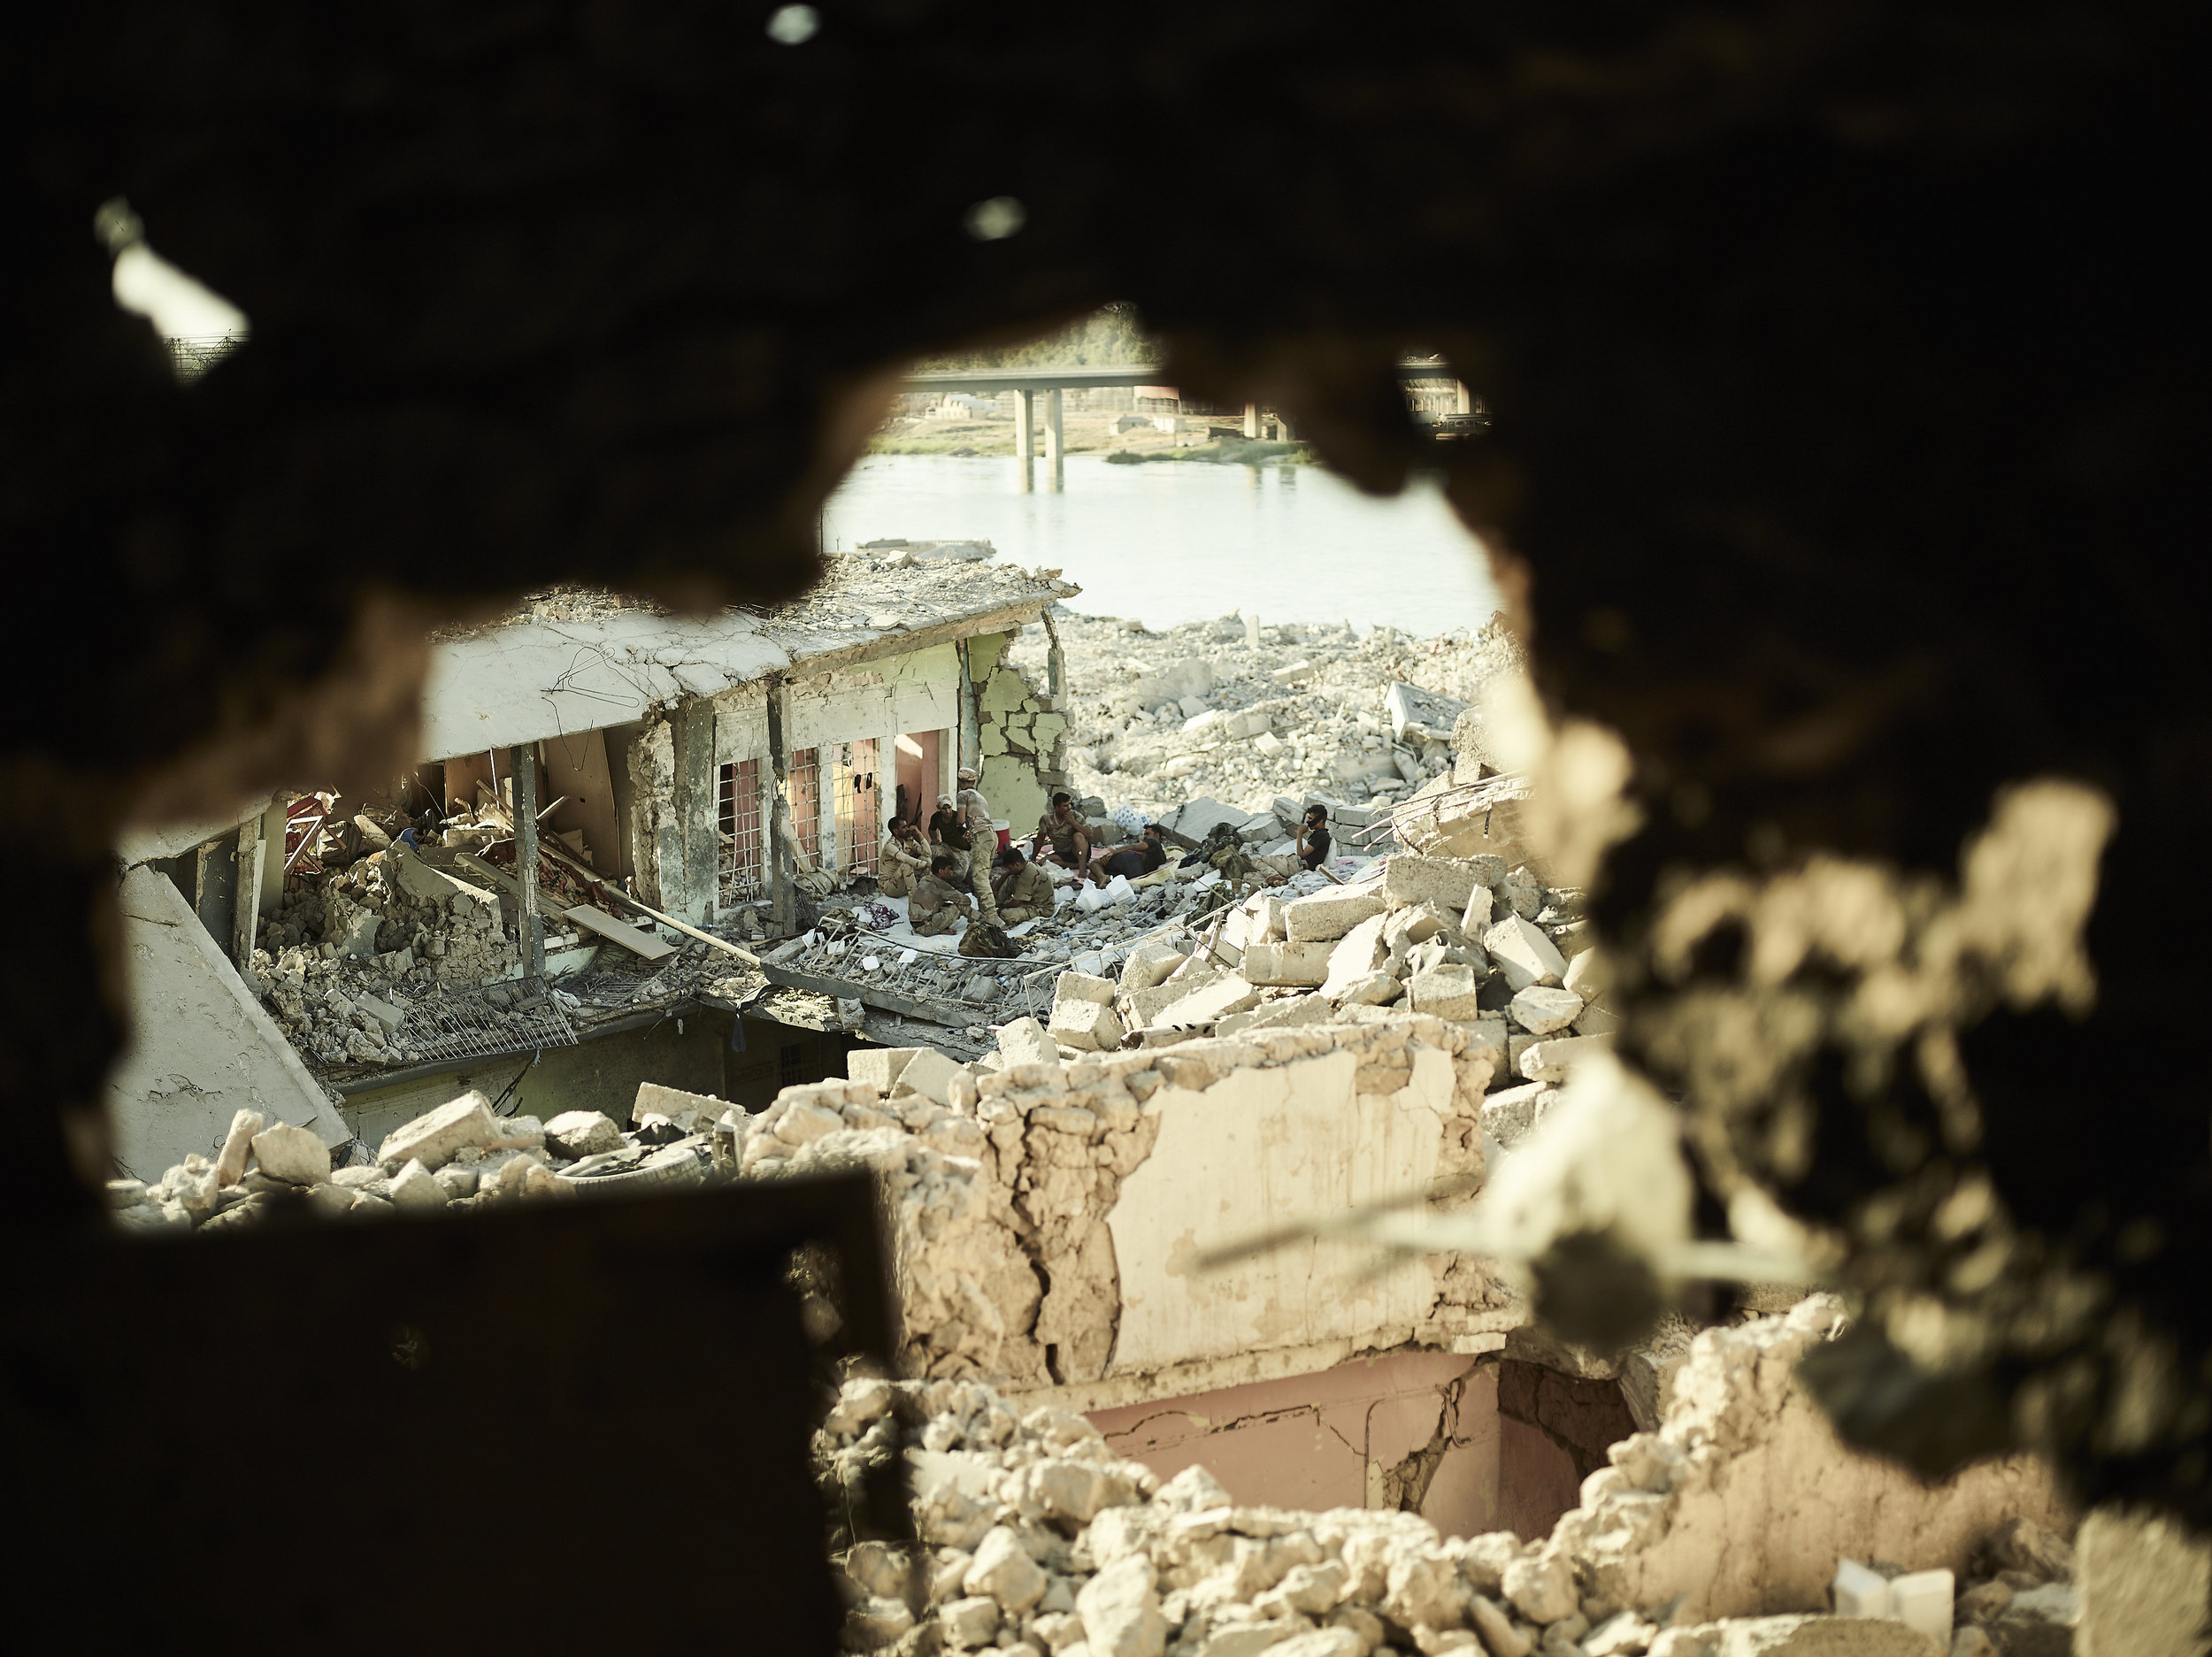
(620, 896)
(505, 882)
(614, 932)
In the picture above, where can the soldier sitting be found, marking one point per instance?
(1023, 890)
(903, 861)
(937, 902)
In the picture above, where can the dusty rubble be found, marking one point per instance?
(1037, 1537)
(461, 1155)
(1246, 711)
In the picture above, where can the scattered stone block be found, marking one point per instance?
(296, 1156)
(387, 1016)
(1358, 952)
(1447, 882)
(1150, 963)
(1524, 955)
(230, 1162)
(1508, 1113)
(1120, 1609)
(1542, 1587)
(1287, 962)
(434, 1138)
(1448, 992)
(1024, 1042)
(879, 1067)
(966, 1624)
(1585, 975)
(1550, 1059)
(1377, 989)
(1083, 986)
(1597, 1020)
(1088, 1026)
(415, 1186)
(1486, 1039)
(576, 1134)
(1540, 1011)
(1209, 1005)
(1146, 1004)
(928, 1073)
(1321, 915)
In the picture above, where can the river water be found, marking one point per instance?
(1172, 542)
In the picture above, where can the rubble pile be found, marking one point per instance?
(1036, 1537)
(1247, 711)
(461, 1154)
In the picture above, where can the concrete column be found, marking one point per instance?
(252, 853)
(1024, 427)
(1252, 421)
(215, 888)
(781, 866)
(529, 923)
(696, 806)
(272, 832)
(1282, 428)
(1052, 425)
(1463, 400)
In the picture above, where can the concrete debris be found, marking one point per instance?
(1068, 1548)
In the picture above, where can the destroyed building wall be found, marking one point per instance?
(204, 1048)
(1021, 734)
(1044, 1241)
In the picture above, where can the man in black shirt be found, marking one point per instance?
(1313, 837)
(1141, 859)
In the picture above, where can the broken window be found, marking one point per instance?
(806, 805)
(740, 860)
(857, 806)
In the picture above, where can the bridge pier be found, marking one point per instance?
(1282, 428)
(1052, 428)
(1465, 404)
(1024, 427)
(1252, 421)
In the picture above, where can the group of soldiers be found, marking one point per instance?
(959, 868)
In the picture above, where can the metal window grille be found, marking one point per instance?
(858, 810)
(806, 803)
(740, 858)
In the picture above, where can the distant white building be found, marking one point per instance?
(960, 406)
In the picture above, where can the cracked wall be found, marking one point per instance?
(1047, 1231)
(1021, 735)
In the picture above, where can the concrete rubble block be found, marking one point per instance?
(1321, 916)
(1922, 1601)
(1447, 992)
(1377, 989)
(1801, 1636)
(389, 1017)
(293, 1154)
(1540, 1011)
(1508, 1113)
(1447, 882)
(930, 1074)
(1150, 963)
(1541, 1586)
(1358, 952)
(1144, 1005)
(1083, 986)
(1199, 817)
(1551, 1058)
(1025, 1042)
(1088, 1026)
(1524, 955)
(415, 1186)
(1486, 1039)
(1587, 975)
(1120, 1608)
(435, 1138)
(1501, 1636)
(1002, 1569)
(1296, 673)
(970, 1623)
(876, 1624)
(1214, 1002)
(576, 1134)
(1597, 1020)
(1523, 893)
(2144, 1582)
(1287, 962)
(879, 1067)
(230, 1162)
(1474, 918)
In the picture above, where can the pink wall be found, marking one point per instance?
(1333, 1439)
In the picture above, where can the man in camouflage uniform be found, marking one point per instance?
(1023, 890)
(937, 902)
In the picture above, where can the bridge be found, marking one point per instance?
(1027, 383)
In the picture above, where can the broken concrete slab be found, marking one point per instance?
(928, 1073)
(1554, 1057)
(415, 1186)
(1358, 952)
(1321, 916)
(1306, 963)
(879, 1067)
(230, 1162)
(576, 1134)
(385, 1013)
(1804, 1636)
(1524, 954)
(1025, 1042)
(1377, 989)
(1216, 1001)
(1585, 974)
(1089, 1026)
(1449, 992)
(693, 1113)
(1150, 963)
(1540, 1011)
(1144, 1005)
(1083, 986)
(1446, 882)
(434, 1137)
(294, 1155)
(1508, 1113)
